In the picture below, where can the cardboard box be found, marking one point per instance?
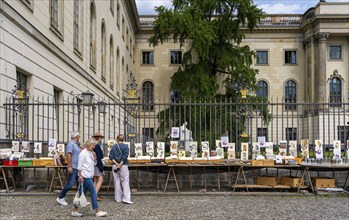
(291, 181)
(267, 180)
(257, 163)
(268, 162)
(43, 162)
(323, 182)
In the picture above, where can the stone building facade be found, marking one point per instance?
(60, 49)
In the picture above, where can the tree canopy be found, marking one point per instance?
(212, 30)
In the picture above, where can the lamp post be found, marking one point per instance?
(87, 97)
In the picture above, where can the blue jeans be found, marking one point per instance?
(72, 178)
(88, 185)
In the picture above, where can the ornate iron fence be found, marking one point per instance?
(241, 120)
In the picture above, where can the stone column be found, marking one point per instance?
(321, 74)
(308, 95)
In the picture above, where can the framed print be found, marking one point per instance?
(319, 154)
(37, 148)
(292, 148)
(175, 132)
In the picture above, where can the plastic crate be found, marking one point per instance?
(25, 163)
(10, 163)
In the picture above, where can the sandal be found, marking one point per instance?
(99, 198)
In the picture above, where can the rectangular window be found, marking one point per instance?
(28, 4)
(176, 57)
(262, 132)
(123, 28)
(54, 13)
(76, 25)
(261, 57)
(342, 133)
(291, 134)
(291, 57)
(148, 57)
(335, 52)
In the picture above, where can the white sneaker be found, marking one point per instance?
(101, 214)
(61, 201)
(127, 202)
(76, 214)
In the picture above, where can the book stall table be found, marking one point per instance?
(59, 173)
(273, 181)
(8, 170)
(307, 168)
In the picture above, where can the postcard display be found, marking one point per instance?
(244, 151)
(231, 151)
(293, 148)
(336, 150)
(305, 148)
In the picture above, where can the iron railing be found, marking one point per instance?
(40, 120)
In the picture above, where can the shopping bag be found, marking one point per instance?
(80, 199)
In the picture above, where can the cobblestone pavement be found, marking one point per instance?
(171, 206)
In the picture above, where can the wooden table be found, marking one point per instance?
(4, 170)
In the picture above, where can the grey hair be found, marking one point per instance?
(90, 141)
(74, 134)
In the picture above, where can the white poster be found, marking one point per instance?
(129, 148)
(175, 132)
(269, 150)
(160, 150)
(149, 148)
(293, 148)
(52, 147)
(319, 154)
(60, 149)
(193, 147)
(110, 145)
(37, 148)
(15, 146)
(205, 149)
(305, 148)
(138, 150)
(244, 151)
(224, 141)
(283, 148)
(174, 148)
(256, 150)
(25, 146)
(336, 149)
(261, 141)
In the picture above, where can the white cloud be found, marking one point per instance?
(146, 7)
(280, 8)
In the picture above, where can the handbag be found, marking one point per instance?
(80, 199)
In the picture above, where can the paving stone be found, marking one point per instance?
(193, 206)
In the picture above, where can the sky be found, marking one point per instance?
(146, 7)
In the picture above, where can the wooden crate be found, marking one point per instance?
(291, 181)
(257, 163)
(10, 163)
(267, 180)
(323, 182)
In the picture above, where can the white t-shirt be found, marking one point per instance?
(86, 163)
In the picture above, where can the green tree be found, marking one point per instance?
(212, 30)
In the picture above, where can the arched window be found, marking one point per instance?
(117, 72)
(93, 35)
(262, 90)
(148, 96)
(111, 63)
(335, 91)
(103, 50)
(290, 94)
